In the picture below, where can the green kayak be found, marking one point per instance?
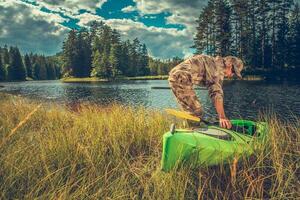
(212, 145)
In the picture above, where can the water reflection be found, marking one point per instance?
(242, 99)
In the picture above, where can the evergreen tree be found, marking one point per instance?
(3, 72)
(70, 54)
(28, 66)
(16, 69)
(124, 58)
(282, 52)
(222, 13)
(42, 73)
(114, 60)
(101, 65)
(294, 37)
(51, 74)
(36, 71)
(5, 56)
(144, 61)
(83, 61)
(263, 38)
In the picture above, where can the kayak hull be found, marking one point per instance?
(196, 148)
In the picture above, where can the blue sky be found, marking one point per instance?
(40, 26)
(167, 27)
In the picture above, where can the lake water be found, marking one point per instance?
(243, 99)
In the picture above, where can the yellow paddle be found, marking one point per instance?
(188, 116)
(182, 114)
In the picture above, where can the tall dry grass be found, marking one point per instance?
(114, 153)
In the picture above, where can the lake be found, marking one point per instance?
(243, 99)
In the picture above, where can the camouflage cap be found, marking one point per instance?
(237, 63)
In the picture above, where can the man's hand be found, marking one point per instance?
(225, 123)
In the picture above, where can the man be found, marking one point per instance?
(208, 71)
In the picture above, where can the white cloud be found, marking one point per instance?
(129, 9)
(86, 18)
(72, 6)
(182, 11)
(161, 42)
(30, 29)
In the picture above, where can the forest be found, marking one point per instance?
(265, 34)
(15, 67)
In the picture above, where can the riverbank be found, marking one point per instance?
(90, 151)
(95, 79)
(163, 77)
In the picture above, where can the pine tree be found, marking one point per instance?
(263, 38)
(283, 30)
(36, 71)
(16, 70)
(144, 62)
(70, 54)
(28, 66)
(203, 41)
(114, 60)
(124, 58)
(3, 72)
(83, 59)
(222, 13)
(5, 56)
(294, 37)
(101, 65)
(51, 75)
(42, 70)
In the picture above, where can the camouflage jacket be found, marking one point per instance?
(204, 70)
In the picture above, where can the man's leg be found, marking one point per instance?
(182, 88)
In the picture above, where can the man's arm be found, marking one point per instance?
(216, 94)
(223, 121)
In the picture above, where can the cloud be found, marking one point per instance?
(30, 29)
(182, 11)
(72, 6)
(161, 42)
(129, 9)
(86, 18)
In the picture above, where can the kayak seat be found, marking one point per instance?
(214, 132)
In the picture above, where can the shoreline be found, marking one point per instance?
(99, 80)
(160, 77)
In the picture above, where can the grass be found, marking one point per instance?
(83, 80)
(158, 77)
(94, 152)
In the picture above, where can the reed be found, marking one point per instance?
(95, 152)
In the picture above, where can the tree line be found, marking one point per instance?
(100, 52)
(162, 67)
(15, 67)
(264, 33)
(94, 52)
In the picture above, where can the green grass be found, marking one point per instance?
(83, 80)
(158, 77)
(94, 152)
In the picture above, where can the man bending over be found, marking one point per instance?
(207, 71)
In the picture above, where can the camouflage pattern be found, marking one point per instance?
(197, 70)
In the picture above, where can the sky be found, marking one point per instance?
(167, 27)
